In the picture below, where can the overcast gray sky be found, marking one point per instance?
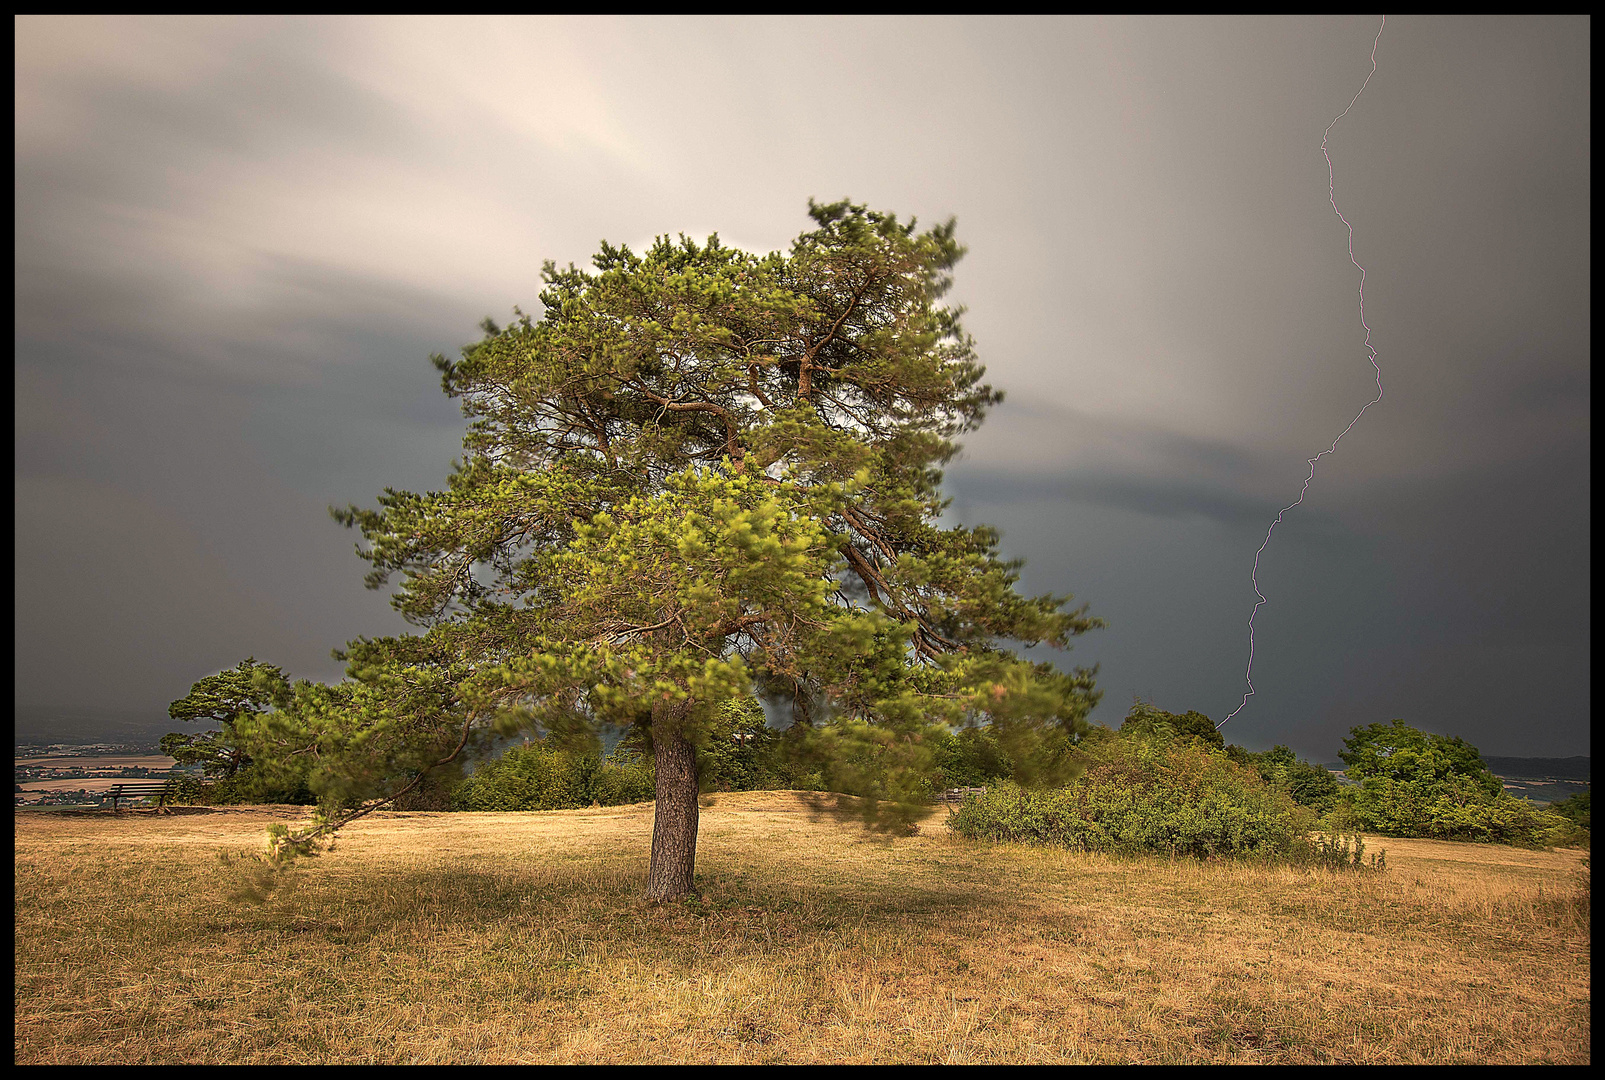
(239, 239)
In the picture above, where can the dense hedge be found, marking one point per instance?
(248, 787)
(1168, 783)
(1178, 797)
(538, 777)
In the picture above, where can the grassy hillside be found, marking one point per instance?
(520, 938)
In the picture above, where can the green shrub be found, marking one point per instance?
(1341, 849)
(539, 777)
(1452, 808)
(968, 758)
(624, 777)
(1575, 811)
(1179, 798)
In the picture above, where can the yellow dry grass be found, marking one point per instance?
(458, 938)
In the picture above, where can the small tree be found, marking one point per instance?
(1412, 783)
(1145, 720)
(1309, 785)
(1400, 752)
(702, 474)
(249, 689)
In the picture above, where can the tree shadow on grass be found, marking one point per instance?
(598, 900)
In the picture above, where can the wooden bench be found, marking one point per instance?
(141, 789)
(960, 794)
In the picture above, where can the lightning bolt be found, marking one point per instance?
(1331, 187)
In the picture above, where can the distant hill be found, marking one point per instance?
(81, 727)
(1526, 768)
(1538, 768)
(1539, 779)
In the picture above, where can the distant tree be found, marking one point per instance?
(742, 752)
(1309, 785)
(1412, 783)
(247, 690)
(1401, 752)
(704, 474)
(1146, 720)
(1574, 808)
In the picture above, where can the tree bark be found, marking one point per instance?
(675, 819)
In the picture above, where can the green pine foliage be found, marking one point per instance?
(231, 774)
(224, 699)
(702, 475)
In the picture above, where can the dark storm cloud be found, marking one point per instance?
(1158, 498)
(1045, 454)
(239, 239)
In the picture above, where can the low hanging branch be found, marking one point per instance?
(284, 845)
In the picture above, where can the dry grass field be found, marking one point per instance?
(520, 938)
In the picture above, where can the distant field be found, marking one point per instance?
(1544, 791)
(110, 761)
(480, 938)
(79, 783)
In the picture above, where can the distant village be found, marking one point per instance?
(27, 750)
(78, 774)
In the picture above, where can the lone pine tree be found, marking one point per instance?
(704, 474)
(225, 699)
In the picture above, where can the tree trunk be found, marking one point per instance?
(674, 822)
